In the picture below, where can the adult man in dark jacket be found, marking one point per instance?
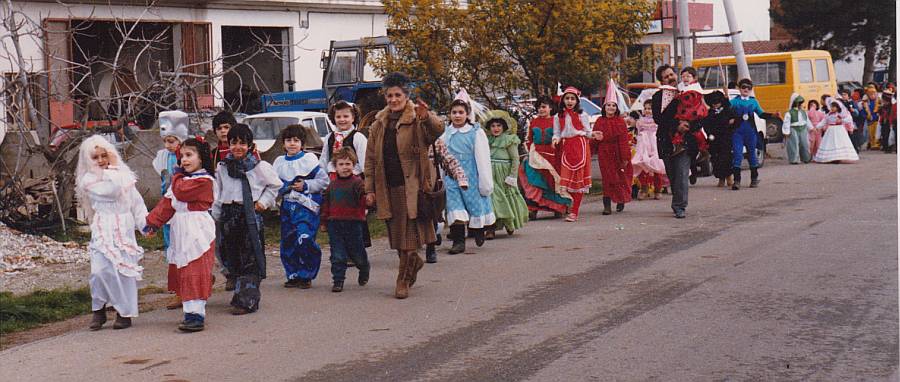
(678, 167)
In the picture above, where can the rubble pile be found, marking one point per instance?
(21, 252)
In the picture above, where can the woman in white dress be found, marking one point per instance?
(836, 146)
(115, 210)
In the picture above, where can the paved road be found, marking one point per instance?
(796, 280)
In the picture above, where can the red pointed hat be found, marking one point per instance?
(573, 90)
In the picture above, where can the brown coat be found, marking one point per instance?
(417, 169)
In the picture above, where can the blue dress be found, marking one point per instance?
(470, 147)
(300, 254)
(745, 135)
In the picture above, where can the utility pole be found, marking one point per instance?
(684, 26)
(674, 38)
(736, 41)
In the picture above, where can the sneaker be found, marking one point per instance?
(680, 214)
(337, 287)
(292, 283)
(192, 323)
(305, 284)
(122, 322)
(754, 183)
(571, 218)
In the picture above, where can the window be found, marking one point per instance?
(822, 74)
(767, 73)
(269, 128)
(373, 54)
(710, 77)
(322, 126)
(804, 70)
(343, 67)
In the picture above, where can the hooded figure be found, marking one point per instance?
(509, 206)
(719, 123)
(796, 127)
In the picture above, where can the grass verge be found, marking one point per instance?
(18, 313)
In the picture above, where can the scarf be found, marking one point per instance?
(238, 168)
(576, 119)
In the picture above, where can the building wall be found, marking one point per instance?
(323, 22)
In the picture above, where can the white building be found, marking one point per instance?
(201, 37)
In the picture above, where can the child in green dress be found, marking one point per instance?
(509, 205)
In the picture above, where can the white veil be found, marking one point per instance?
(86, 165)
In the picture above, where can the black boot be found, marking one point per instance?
(122, 322)
(99, 319)
(430, 254)
(479, 236)
(620, 207)
(737, 178)
(754, 177)
(607, 206)
(458, 237)
(437, 243)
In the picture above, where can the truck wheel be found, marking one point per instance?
(761, 144)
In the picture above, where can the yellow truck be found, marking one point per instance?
(809, 73)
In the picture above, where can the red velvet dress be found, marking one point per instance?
(191, 254)
(612, 152)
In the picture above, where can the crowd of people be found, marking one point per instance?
(420, 174)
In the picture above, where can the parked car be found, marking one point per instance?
(593, 111)
(266, 128)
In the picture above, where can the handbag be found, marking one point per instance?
(430, 203)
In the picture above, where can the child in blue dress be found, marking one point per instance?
(472, 206)
(303, 182)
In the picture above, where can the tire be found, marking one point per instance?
(773, 130)
(761, 146)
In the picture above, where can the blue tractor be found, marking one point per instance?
(347, 75)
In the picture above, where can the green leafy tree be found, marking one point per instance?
(504, 47)
(843, 27)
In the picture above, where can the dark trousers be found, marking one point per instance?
(678, 169)
(885, 136)
(238, 256)
(346, 239)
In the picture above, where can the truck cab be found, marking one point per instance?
(347, 75)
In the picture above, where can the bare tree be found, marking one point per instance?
(115, 75)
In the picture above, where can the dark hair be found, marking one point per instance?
(395, 79)
(459, 102)
(634, 115)
(344, 152)
(222, 118)
(203, 150)
(662, 68)
(293, 131)
(836, 105)
(732, 85)
(501, 121)
(240, 132)
(603, 110)
(691, 70)
(648, 102)
(811, 102)
(341, 105)
(545, 100)
(562, 103)
(715, 97)
(745, 81)
(859, 91)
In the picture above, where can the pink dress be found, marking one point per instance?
(815, 135)
(646, 158)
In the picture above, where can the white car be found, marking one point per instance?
(266, 128)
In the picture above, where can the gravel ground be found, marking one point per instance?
(29, 263)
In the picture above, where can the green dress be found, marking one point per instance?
(509, 206)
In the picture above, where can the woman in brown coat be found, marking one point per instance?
(397, 167)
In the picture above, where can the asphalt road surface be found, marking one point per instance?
(795, 280)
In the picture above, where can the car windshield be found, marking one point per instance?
(269, 127)
(589, 107)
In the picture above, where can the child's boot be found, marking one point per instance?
(430, 254)
(122, 322)
(620, 207)
(458, 236)
(736, 173)
(98, 319)
(489, 232)
(479, 236)
(607, 206)
(363, 277)
(338, 286)
(192, 323)
(754, 177)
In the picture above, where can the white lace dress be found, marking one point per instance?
(119, 210)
